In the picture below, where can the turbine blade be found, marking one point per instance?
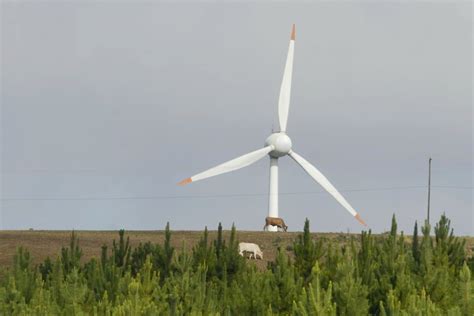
(285, 89)
(324, 182)
(231, 165)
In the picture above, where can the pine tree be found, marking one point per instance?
(234, 261)
(219, 247)
(121, 252)
(367, 268)
(74, 293)
(45, 268)
(350, 294)
(387, 255)
(447, 243)
(24, 275)
(141, 253)
(93, 273)
(415, 247)
(307, 252)
(440, 271)
(71, 257)
(426, 252)
(204, 255)
(168, 252)
(314, 299)
(285, 281)
(466, 294)
(371, 276)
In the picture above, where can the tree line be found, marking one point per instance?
(372, 275)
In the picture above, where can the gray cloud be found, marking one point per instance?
(126, 99)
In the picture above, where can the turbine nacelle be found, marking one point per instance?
(281, 144)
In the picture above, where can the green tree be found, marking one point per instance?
(350, 294)
(466, 294)
(45, 268)
(285, 281)
(71, 257)
(204, 255)
(24, 275)
(415, 247)
(374, 275)
(307, 252)
(447, 243)
(315, 300)
(121, 251)
(168, 252)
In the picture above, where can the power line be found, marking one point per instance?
(452, 187)
(167, 197)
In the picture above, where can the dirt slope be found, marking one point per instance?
(42, 244)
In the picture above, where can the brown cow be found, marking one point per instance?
(275, 221)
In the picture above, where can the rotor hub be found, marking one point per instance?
(281, 144)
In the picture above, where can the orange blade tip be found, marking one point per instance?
(357, 216)
(293, 33)
(185, 181)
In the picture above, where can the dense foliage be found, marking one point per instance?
(379, 275)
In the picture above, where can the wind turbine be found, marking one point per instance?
(277, 145)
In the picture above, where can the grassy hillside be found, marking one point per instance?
(42, 244)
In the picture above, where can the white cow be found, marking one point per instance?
(253, 249)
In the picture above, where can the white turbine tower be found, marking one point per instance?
(278, 145)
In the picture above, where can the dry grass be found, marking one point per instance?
(42, 244)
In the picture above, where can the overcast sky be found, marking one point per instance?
(106, 106)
